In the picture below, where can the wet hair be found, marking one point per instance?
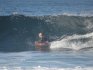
(42, 33)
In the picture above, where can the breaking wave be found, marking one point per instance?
(18, 32)
(74, 42)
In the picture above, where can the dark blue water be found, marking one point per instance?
(67, 24)
(46, 7)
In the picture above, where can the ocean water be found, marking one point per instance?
(46, 7)
(67, 24)
(55, 60)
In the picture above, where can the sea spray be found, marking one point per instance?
(74, 42)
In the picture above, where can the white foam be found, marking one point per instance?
(73, 42)
(82, 13)
(10, 68)
(45, 68)
(88, 24)
(76, 68)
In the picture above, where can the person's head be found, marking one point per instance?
(41, 35)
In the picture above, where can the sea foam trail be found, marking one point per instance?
(45, 68)
(74, 42)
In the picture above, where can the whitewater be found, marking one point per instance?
(74, 42)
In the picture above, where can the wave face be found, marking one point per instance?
(18, 32)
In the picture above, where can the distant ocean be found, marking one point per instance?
(67, 23)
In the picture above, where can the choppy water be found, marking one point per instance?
(35, 60)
